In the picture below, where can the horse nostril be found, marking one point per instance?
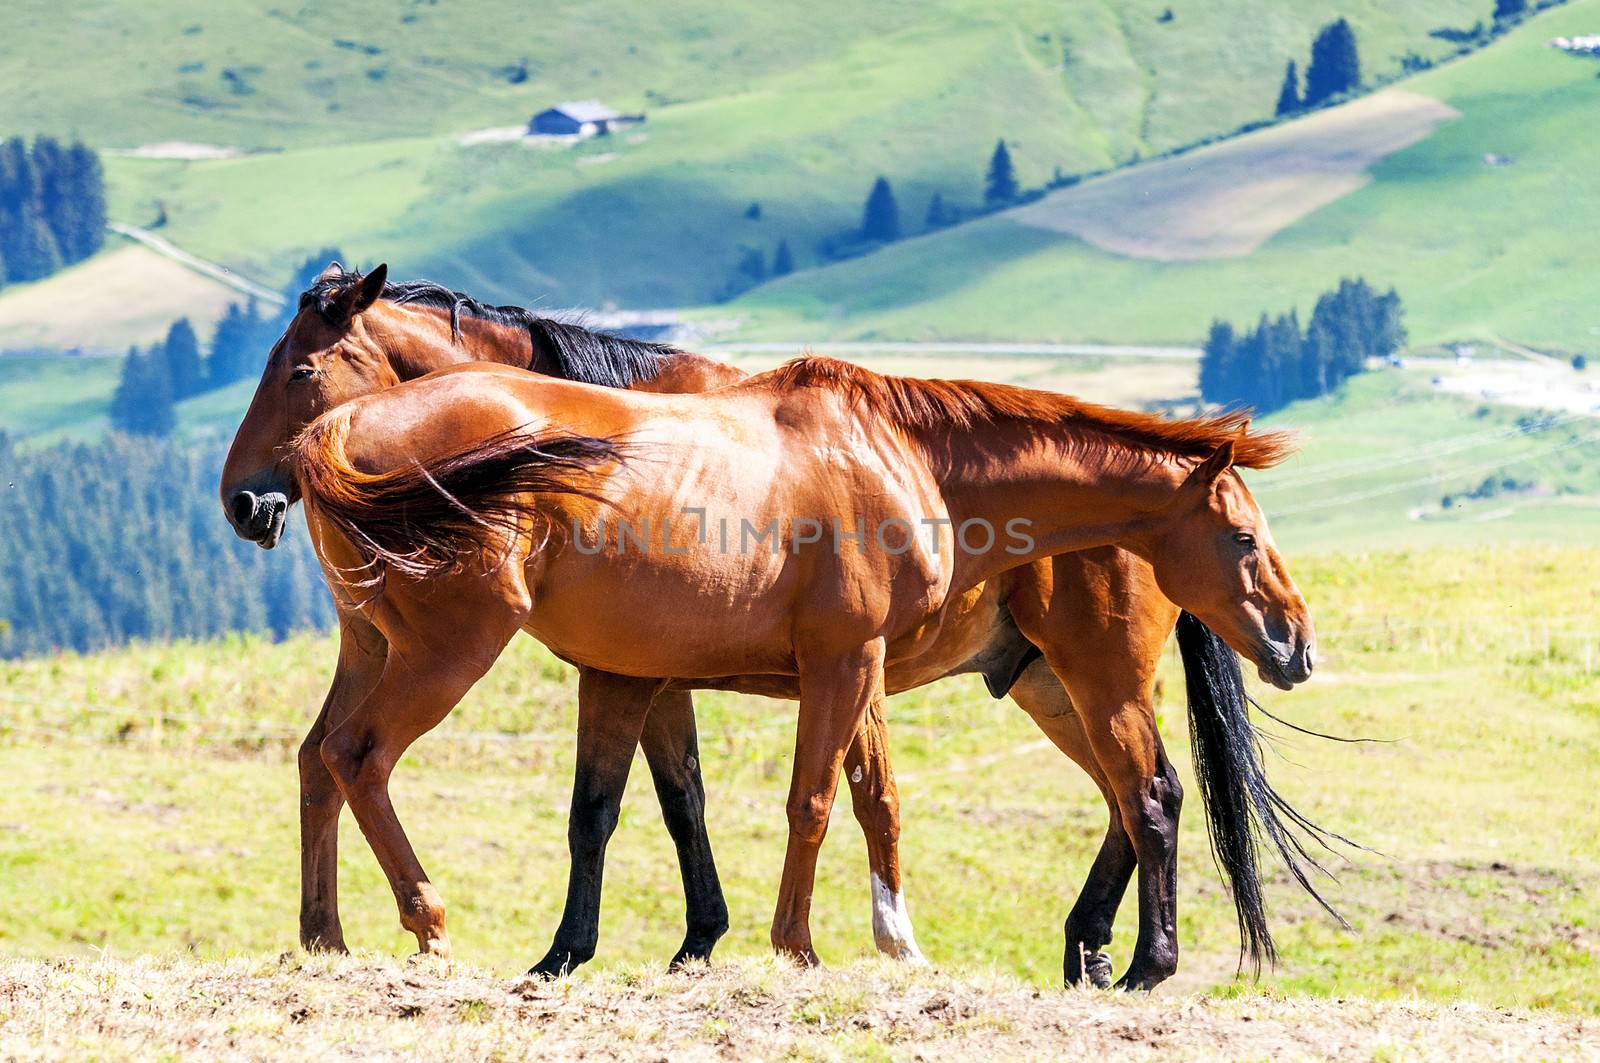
(1308, 660)
(242, 507)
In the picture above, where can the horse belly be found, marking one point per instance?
(666, 617)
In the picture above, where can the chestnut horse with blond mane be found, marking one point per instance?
(1097, 615)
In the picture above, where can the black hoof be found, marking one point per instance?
(693, 950)
(1142, 981)
(557, 964)
(1096, 971)
(1086, 966)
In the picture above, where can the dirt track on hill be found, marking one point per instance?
(1227, 199)
(293, 1007)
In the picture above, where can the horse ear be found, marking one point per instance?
(356, 298)
(331, 272)
(372, 287)
(1205, 474)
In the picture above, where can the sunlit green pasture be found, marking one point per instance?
(351, 116)
(1477, 226)
(151, 794)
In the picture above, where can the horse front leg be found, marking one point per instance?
(836, 691)
(1088, 925)
(1122, 734)
(1102, 623)
(611, 717)
(422, 682)
(876, 800)
(671, 748)
(362, 650)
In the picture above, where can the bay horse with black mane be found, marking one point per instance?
(1097, 615)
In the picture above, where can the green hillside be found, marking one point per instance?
(359, 108)
(1477, 250)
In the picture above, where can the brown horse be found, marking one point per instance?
(471, 544)
(1089, 611)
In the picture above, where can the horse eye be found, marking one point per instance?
(1245, 539)
(303, 372)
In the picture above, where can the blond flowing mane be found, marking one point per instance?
(924, 405)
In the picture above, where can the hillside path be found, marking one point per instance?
(216, 271)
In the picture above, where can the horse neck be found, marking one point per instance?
(681, 372)
(1076, 486)
(416, 350)
(685, 373)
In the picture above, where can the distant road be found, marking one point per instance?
(1044, 349)
(213, 270)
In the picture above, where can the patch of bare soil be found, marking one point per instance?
(296, 1008)
(1225, 200)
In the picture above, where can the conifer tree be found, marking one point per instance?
(782, 260)
(181, 355)
(1289, 96)
(1000, 184)
(1335, 67)
(1216, 384)
(85, 188)
(238, 347)
(880, 219)
(27, 242)
(142, 404)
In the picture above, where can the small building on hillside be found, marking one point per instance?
(581, 118)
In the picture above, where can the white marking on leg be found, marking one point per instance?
(891, 925)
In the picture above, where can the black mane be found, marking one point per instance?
(575, 352)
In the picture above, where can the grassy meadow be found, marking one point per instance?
(1393, 461)
(1444, 536)
(1476, 250)
(151, 798)
(352, 116)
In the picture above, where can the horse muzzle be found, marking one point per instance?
(258, 518)
(1285, 668)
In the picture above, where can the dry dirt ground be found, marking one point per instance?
(293, 1007)
(1225, 200)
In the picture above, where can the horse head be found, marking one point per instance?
(1215, 556)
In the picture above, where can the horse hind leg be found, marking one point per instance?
(612, 710)
(1122, 734)
(876, 801)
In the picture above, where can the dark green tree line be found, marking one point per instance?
(124, 539)
(175, 368)
(1276, 363)
(52, 207)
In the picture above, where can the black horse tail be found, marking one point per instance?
(1242, 808)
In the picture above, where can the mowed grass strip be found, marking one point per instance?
(1225, 200)
(152, 794)
(126, 294)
